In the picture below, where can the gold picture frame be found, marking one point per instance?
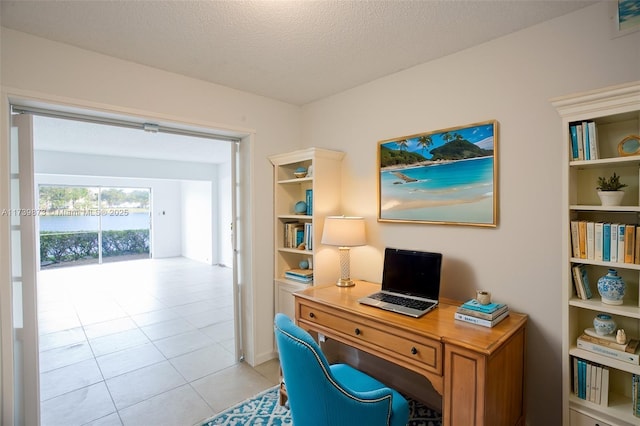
(447, 176)
(629, 146)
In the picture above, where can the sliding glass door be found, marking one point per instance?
(84, 225)
(24, 377)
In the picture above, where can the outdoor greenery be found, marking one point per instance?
(74, 197)
(56, 247)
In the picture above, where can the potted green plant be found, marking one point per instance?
(610, 190)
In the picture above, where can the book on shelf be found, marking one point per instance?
(480, 321)
(309, 201)
(591, 381)
(593, 140)
(300, 275)
(308, 235)
(303, 273)
(587, 345)
(598, 240)
(613, 253)
(635, 394)
(474, 305)
(582, 238)
(575, 244)
(606, 242)
(621, 242)
(636, 256)
(581, 282)
(591, 245)
(590, 335)
(577, 282)
(629, 243)
(299, 279)
(573, 136)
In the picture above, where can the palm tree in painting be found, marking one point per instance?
(458, 137)
(403, 145)
(447, 137)
(424, 142)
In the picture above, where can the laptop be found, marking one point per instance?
(410, 282)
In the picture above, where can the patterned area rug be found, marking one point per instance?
(263, 410)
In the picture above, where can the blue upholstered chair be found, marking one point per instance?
(331, 395)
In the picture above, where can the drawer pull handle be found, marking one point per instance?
(414, 350)
(312, 315)
(357, 331)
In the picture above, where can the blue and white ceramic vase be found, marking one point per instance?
(604, 324)
(611, 288)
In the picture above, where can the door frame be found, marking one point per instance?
(242, 259)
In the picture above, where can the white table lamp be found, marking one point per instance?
(344, 232)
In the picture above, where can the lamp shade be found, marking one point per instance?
(343, 231)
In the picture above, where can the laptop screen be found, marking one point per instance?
(414, 273)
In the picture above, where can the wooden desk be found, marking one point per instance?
(478, 371)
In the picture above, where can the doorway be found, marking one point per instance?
(165, 207)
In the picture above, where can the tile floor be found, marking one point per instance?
(143, 342)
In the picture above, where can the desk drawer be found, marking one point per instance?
(407, 348)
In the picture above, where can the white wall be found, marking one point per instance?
(197, 229)
(510, 79)
(38, 69)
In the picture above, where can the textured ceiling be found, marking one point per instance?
(294, 51)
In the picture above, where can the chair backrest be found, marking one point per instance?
(315, 396)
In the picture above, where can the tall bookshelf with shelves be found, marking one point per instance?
(320, 190)
(615, 113)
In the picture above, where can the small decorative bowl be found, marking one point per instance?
(300, 172)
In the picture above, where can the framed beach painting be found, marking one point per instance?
(625, 15)
(448, 176)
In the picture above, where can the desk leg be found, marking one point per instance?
(463, 387)
(485, 390)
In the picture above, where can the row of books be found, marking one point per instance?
(485, 315)
(608, 347)
(609, 242)
(635, 394)
(591, 381)
(300, 275)
(584, 141)
(581, 282)
(298, 233)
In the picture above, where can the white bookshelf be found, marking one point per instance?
(325, 182)
(616, 112)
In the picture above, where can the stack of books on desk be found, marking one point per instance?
(607, 346)
(486, 315)
(301, 275)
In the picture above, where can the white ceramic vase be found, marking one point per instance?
(610, 198)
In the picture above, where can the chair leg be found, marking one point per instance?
(283, 394)
(283, 390)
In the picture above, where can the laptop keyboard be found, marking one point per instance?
(402, 301)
